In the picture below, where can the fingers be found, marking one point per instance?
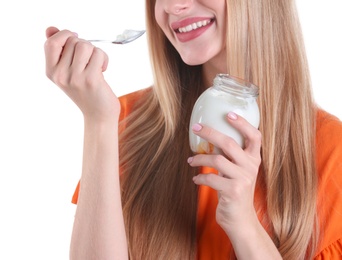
(67, 56)
(251, 135)
(99, 59)
(54, 46)
(217, 161)
(51, 31)
(234, 160)
(79, 54)
(211, 180)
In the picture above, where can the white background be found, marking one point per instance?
(41, 130)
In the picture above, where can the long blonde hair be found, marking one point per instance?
(264, 45)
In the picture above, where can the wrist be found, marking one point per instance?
(251, 241)
(244, 228)
(101, 123)
(105, 115)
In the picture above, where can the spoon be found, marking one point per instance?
(126, 37)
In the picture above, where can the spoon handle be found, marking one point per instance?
(105, 41)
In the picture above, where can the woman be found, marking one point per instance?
(279, 197)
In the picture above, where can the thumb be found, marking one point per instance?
(51, 31)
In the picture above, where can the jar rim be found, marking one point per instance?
(238, 85)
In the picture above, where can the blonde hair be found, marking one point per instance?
(264, 45)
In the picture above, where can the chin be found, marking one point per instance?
(193, 61)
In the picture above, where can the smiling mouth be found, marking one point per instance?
(194, 26)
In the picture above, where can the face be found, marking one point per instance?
(196, 28)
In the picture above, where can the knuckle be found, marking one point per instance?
(219, 159)
(228, 143)
(207, 131)
(209, 178)
(49, 73)
(236, 191)
(252, 168)
(82, 45)
(49, 44)
(248, 182)
(257, 161)
(256, 136)
(65, 31)
(90, 80)
(72, 40)
(99, 53)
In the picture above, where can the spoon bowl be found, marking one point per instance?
(123, 38)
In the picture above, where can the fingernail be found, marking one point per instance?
(196, 127)
(190, 159)
(76, 34)
(232, 115)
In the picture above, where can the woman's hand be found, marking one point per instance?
(238, 169)
(77, 67)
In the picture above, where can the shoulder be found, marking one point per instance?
(329, 167)
(328, 140)
(128, 101)
(327, 123)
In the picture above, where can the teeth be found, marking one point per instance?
(193, 26)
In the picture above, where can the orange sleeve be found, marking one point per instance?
(332, 252)
(329, 167)
(127, 101)
(75, 195)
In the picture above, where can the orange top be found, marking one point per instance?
(214, 244)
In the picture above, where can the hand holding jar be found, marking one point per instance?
(224, 136)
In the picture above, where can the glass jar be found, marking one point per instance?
(228, 94)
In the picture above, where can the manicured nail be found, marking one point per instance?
(190, 159)
(76, 34)
(196, 127)
(232, 115)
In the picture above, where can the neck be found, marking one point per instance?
(211, 68)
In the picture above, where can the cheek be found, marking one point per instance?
(158, 13)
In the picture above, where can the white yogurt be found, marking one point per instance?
(227, 95)
(126, 35)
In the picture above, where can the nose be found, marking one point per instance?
(177, 6)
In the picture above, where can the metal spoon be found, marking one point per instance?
(126, 37)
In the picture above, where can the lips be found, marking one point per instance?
(190, 28)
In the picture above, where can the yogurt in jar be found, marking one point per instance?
(228, 94)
